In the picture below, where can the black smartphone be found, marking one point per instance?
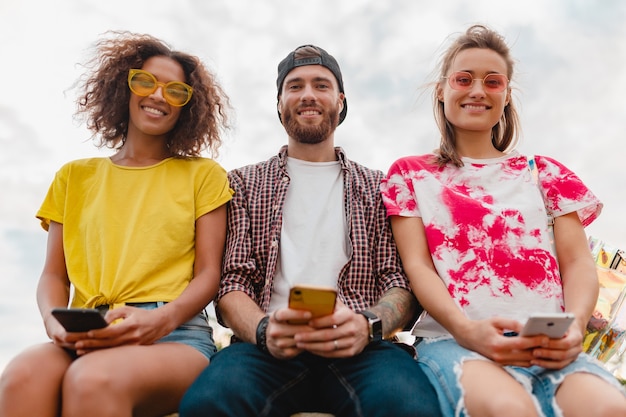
(79, 319)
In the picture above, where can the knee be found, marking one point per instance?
(28, 369)
(217, 394)
(88, 381)
(194, 402)
(200, 401)
(610, 409)
(408, 407)
(16, 376)
(411, 404)
(401, 399)
(202, 398)
(510, 407)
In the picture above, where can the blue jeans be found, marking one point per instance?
(441, 359)
(383, 380)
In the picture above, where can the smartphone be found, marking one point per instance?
(320, 301)
(79, 319)
(554, 325)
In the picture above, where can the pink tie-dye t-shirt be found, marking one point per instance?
(487, 229)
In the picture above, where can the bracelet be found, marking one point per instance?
(261, 334)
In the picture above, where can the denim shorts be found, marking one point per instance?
(440, 359)
(196, 333)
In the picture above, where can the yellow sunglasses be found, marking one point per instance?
(144, 83)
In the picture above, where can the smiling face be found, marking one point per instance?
(152, 115)
(310, 103)
(474, 110)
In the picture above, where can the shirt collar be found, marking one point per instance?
(341, 157)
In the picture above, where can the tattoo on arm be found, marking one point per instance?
(396, 308)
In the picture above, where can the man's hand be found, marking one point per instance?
(339, 335)
(280, 334)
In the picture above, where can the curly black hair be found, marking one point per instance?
(105, 95)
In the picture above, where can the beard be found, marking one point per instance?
(310, 134)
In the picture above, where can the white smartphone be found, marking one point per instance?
(553, 325)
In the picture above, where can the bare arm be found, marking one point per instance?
(395, 309)
(578, 270)
(241, 314)
(425, 282)
(53, 288)
(580, 291)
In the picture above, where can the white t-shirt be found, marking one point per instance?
(487, 230)
(314, 240)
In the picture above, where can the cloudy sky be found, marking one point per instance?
(569, 88)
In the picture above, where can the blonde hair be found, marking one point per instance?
(504, 135)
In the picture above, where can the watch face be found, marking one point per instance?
(376, 329)
(375, 325)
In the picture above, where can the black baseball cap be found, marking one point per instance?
(325, 60)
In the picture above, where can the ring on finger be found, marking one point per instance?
(336, 344)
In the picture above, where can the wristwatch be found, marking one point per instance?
(375, 326)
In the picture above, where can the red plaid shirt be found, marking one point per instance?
(255, 217)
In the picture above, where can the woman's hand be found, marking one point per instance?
(59, 336)
(128, 326)
(487, 337)
(558, 353)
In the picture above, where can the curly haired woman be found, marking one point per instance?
(138, 236)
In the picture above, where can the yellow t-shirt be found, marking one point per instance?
(129, 232)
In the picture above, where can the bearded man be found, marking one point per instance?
(311, 216)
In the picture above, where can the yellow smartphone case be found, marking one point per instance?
(320, 301)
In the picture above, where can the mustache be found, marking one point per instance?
(303, 107)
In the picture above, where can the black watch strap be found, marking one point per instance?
(261, 334)
(375, 326)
